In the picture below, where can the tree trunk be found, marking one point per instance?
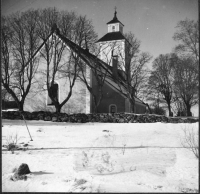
(21, 105)
(188, 107)
(132, 102)
(169, 108)
(58, 108)
(94, 103)
(99, 101)
(95, 108)
(133, 108)
(150, 112)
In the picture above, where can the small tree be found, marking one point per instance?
(190, 140)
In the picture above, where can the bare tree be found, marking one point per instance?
(178, 106)
(188, 35)
(52, 53)
(99, 73)
(133, 67)
(154, 99)
(161, 79)
(66, 23)
(61, 60)
(190, 140)
(19, 42)
(5, 96)
(84, 34)
(186, 81)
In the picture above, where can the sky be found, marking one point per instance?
(152, 21)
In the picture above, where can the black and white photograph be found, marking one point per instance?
(100, 96)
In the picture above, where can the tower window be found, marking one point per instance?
(113, 28)
(54, 92)
(115, 60)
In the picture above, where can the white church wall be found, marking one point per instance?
(117, 47)
(76, 103)
(38, 96)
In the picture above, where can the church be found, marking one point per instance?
(111, 61)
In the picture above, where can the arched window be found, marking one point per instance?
(113, 108)
(54, 90)
(113, 28)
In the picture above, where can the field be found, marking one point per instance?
(100, 157)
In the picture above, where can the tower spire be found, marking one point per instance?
(115, 14)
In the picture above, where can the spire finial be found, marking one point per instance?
(115, 12)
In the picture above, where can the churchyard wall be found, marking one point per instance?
(100, 117)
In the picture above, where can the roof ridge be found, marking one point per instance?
(115, 20)
(112, 36)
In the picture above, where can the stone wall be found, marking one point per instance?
(101, 117)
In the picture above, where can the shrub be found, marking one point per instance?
(11, 142)
(190, 140)
(158, 110)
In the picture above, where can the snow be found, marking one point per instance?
(100, 157)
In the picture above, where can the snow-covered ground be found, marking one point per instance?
(98, 157)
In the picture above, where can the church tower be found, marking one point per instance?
(115, 25)
(112, 45)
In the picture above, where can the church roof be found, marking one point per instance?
(115, 20)
(112, 36)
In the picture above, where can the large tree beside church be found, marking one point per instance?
(99, 73)
(19, 42)
(24, 33)
(65, 62)
(186, 81)
(135, 71)
(186, 64)
(176, 76)
(161, 79)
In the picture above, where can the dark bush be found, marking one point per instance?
(158, 111)
(9, 105)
